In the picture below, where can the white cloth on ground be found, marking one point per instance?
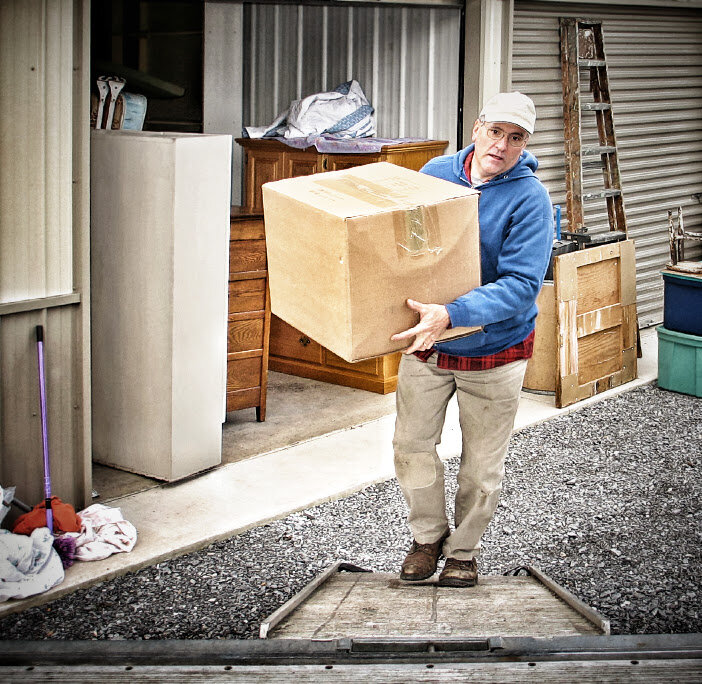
(28, 564)
(104, 531)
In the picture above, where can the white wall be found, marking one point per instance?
(44, 250)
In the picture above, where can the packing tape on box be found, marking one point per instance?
(362, 190)
(417, 231)
(416, 228)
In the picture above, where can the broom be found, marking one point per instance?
(65, 546)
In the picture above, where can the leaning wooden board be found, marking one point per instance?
(362, 604)
(586, 329)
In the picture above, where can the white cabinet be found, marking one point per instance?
(160, 208)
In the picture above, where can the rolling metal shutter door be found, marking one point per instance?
(654, 58)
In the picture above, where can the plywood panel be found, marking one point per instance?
(598, 285)
(381, 605)
(596, 339)
(541, 368)
(586, 328)
(599, 354)
(599, 319)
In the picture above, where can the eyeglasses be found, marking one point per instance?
(513, 139)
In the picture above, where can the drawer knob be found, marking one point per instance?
(304, 340)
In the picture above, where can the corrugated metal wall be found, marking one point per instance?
(44, 250)
(405, 58)
(655, 66)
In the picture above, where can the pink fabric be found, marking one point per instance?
(104, 531)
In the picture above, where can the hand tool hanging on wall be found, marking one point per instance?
(116, 84)
(109, 89)
(124, 111)
(103, 92)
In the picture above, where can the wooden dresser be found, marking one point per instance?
(249, 314)
(291, 351)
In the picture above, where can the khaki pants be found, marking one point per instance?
(487, 403)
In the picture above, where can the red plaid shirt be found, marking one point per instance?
(522, 350)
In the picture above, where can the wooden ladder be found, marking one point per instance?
(582, 51)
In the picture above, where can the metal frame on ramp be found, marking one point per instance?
(619, 658)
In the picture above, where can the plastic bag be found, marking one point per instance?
(343, 112)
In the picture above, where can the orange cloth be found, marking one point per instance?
(65, 518)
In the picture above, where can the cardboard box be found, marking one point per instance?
(347, 248)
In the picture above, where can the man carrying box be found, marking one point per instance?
(486, 369)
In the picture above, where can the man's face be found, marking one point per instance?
(493, 157)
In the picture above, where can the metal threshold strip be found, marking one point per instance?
(236, 652)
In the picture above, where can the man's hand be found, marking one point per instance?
(433, 320)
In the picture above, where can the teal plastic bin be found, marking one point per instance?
(679, 362)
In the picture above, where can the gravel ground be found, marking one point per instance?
(606, 501)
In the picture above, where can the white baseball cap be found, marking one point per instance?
(515, 108)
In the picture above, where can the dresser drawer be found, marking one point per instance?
(246, 398)
(244, 373)
(290, 342)
(367, 366)
(247, 255)
(245, 334)
(247, 295)
(247, 229)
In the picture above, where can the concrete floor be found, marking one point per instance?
(298, 409)
(314, 460)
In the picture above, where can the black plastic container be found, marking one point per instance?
(560, 247)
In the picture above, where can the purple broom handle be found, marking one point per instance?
(44, 429)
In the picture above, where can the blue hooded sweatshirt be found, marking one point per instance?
(516, 238)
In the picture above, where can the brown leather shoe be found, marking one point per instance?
(421, 560)
(459, 573)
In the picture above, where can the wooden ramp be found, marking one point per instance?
(361, 604)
